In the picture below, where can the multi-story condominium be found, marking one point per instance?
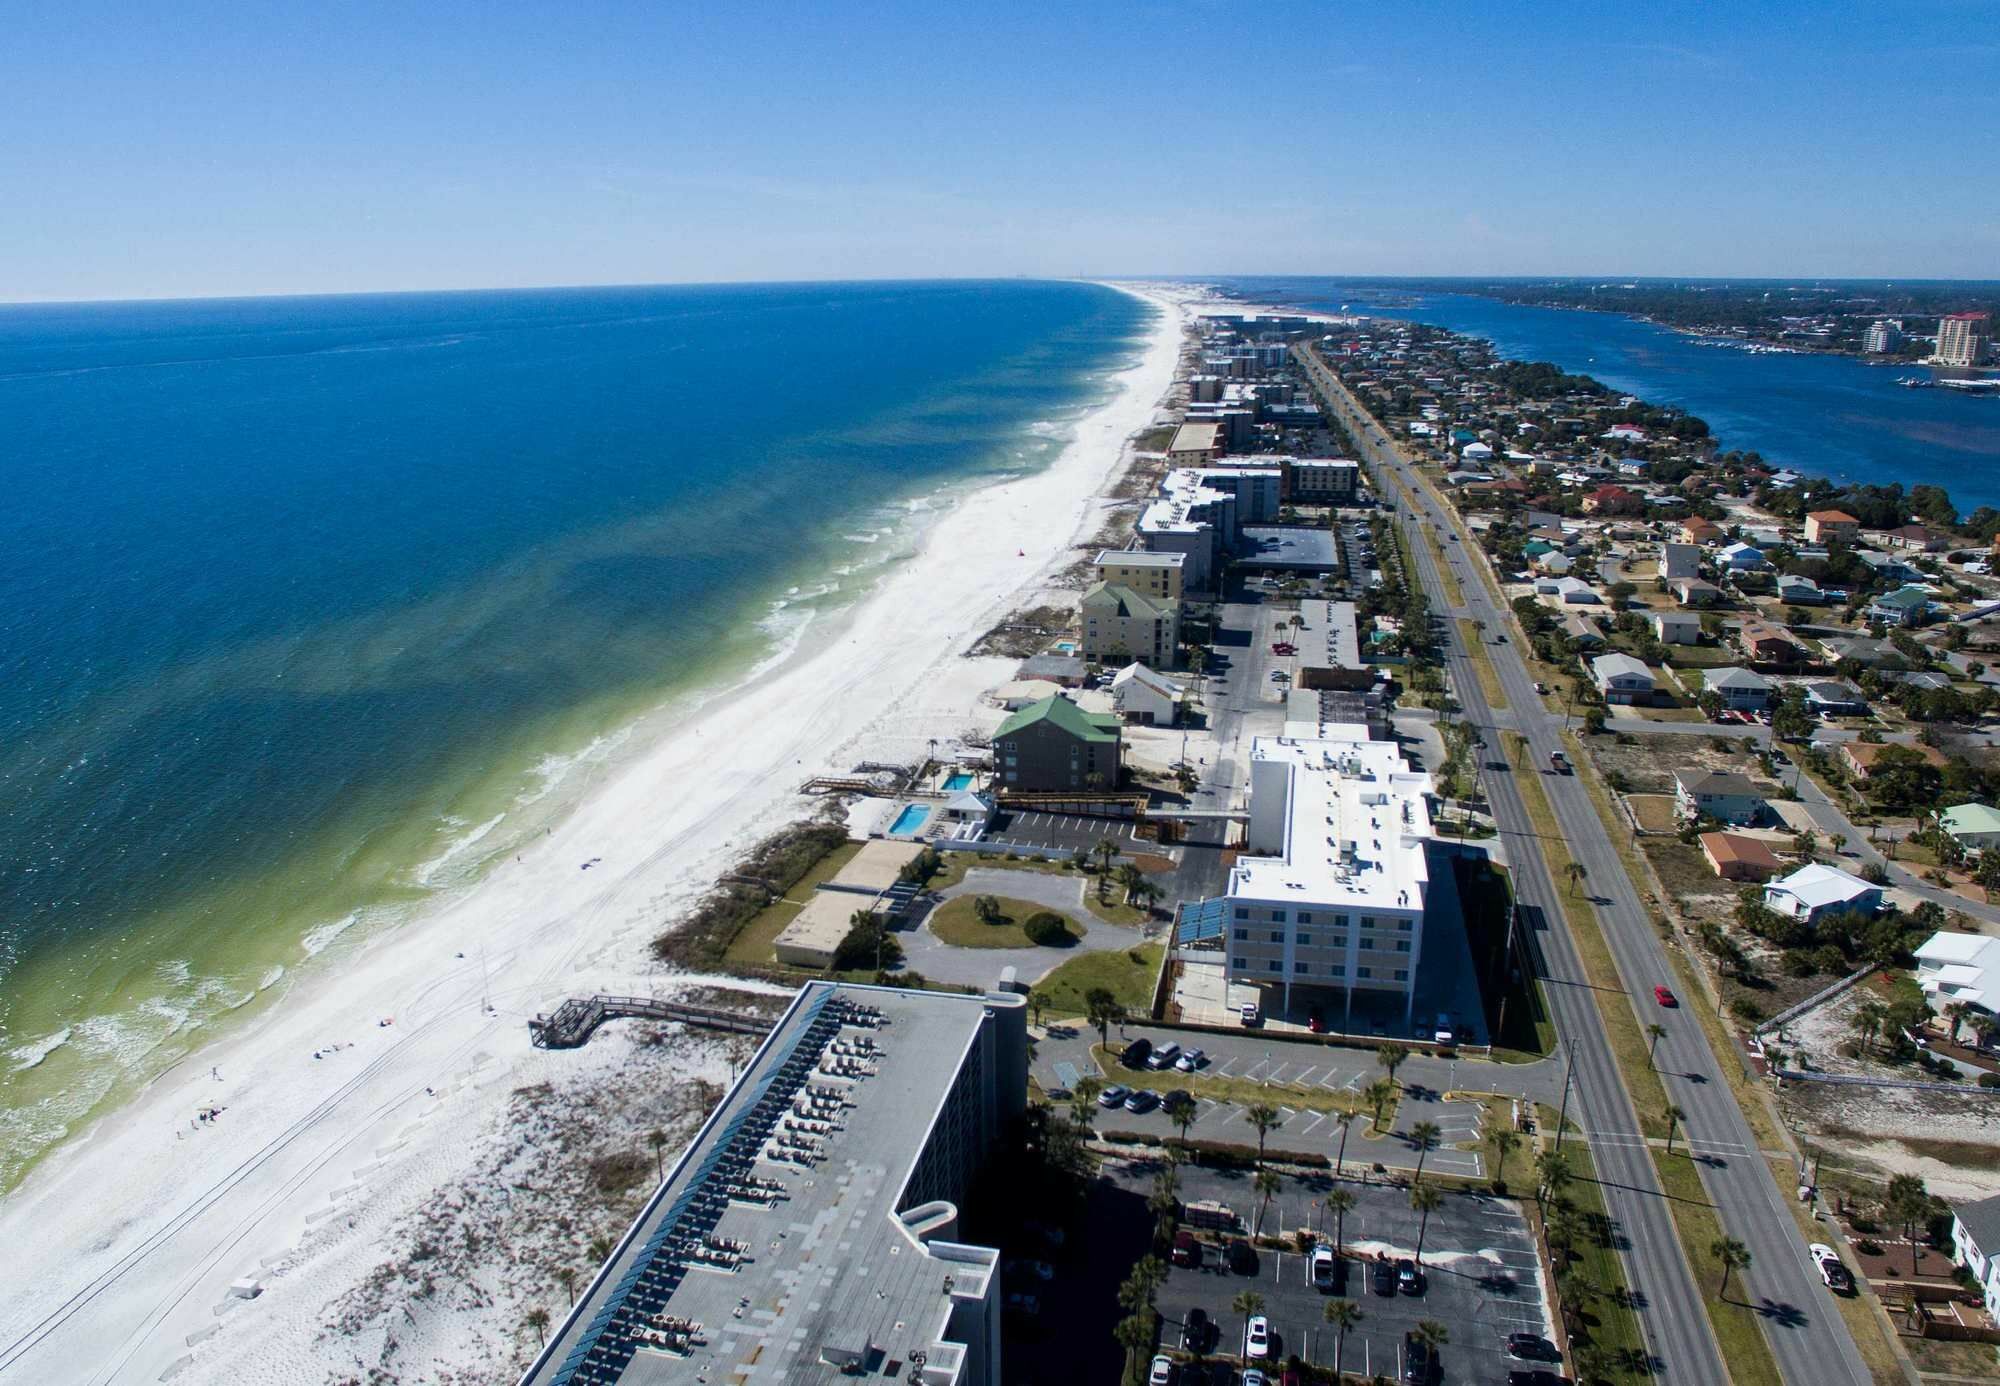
(1329, 894)
(1961, 339)
(1120, 625)
(1195, 445)
(1258, 489)
(1053, 746)
(1882, 337)
(1161, 576)
(824, 1193)
(1322, 480)
(1193, 518)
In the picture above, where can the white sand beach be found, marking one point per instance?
(388, 1092)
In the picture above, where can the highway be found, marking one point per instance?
(1808, 1338)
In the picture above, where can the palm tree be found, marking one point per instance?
(1103, 1011)
(537, 1318)
(1039, 1001)
(1343, 1120)
(1552, 1174)
(1733, 1256)
(1392, 1056)
(600, 1247)
(658, 1140)
(1424, 1135)
(1378, 1094)
(1339, 1202)
(1655, 1032)
(1343, 1314)
(1576, 871)
(1249, 1304)
(1264, 1117)
(1083, 1100)
(1563, 1225)
(1267, 1183)
(1106, 852)
(1142, 894)
(1909, 1203)
(568, 1276)
(1869, 1018)
(1432, 1335)
(1180, 1109)
(1954, 1015)
(1505, 1141)
(1675, 1116)
(1425, 1201)
(1130, 878)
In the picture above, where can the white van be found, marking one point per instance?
(1249, 1013)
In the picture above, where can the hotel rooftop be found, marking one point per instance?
(807, 1233)
(1350, 826)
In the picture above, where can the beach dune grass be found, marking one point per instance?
(752, 946)
(957, 922)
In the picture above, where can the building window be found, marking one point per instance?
(1402, 974)
(1300, 967)
(1275, 966)
(1305, 916)
(1340, 921)
(1406, 924)
(1242, 935)
(1337, 969)
(1277, 916)
(1242, 914)
(1367, 941)
(1367, 921)
(1305, 940)
(1402, 945)
(1363, 973)
(1240, 964)
(1277, 935)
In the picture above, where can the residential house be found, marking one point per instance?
(1120, 624)
(1612, 500)
(1741, 690)
(1695, 592)
(1866, 652)
(1696, 530)
(1975, 1244)
(1742, 558)
(1767, 644)
(1140, 695)
(1581, 630)
(1814, 892)
(1680, 561)
(1067, 671)
(1722, 795)
(1888, 567)
(1622, 679)
(1861, 757)
(1572, 591)
(1054, 746)
(1553, 562)
(1958, 967)
(1906, 606)
(1915, 539)
(1735, 857)
(1794, 590)
(1835, 698)
(1676, 627)
(1975, 827)
(1830, 526)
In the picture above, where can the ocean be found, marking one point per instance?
(1831, 416)
(317, 607)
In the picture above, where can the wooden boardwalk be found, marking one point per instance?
(577, 1019)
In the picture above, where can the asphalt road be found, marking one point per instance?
(1807, 1336)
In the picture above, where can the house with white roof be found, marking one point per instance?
(1680, 561)
(1572, 590)
(1741, 690)
(1974, 827)
(1622, 679)
(1742, 558)
(1141, 695)
(1813, 892)
(1955, 966)
(1796, 590)
(1676, 627)
(1330, 892)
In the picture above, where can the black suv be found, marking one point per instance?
(1136, 1053)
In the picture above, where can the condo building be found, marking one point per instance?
(810, 1233)
(1961, 339)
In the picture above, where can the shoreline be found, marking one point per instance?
(421, 1068)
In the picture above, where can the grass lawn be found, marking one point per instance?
(753, 945)
(1655, 812)
(1489, 680)
(1245, 1092)
(1127, 974)
(1112, 911)
(1702, 657)
(1610, 1321)
(1737, 1329)
(955, 922)
(1517, 1017)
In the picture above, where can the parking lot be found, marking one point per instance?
(1073, 831)
(1481, 1275)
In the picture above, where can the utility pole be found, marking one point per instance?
(1562, 1116)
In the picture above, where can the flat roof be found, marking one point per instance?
(824, 1260)
(1339, 622)
(876, 865)
(1356, 823)
(1141, 558)
(824, 921)
(1194, 437)
(1299, 549)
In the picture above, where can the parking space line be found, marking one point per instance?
(1318, 1117)
(1305, 1077)
(1228, 1065)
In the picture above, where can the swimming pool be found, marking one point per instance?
(1067, 647)
(958, 779)
(910, 819)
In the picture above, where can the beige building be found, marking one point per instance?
(1195, 445)
(1827, 526)
(1121, 625)
(1961, 339)
(1156, 575)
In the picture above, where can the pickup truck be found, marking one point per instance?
(1558, 763)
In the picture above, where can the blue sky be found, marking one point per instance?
(211, 149)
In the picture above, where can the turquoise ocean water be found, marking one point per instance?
(315, 607)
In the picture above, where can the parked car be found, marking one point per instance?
(1252, 1377)
(1113, 1096)
(1444, 1033)
(1522, 1376)
(1531, 1347)
(1419, 1362)
(1187, 1249)
(1832, 1270)
(1142, 1101)
(1190, 1060)
(1315, 1022)
(1248, 1013)
(1196, 1330)
(1162, 1373)
(1409, 1278)
(1665, 997)
(1136, 1053)
(1382, 1278)
(1163, 1055)
(1323, 1268)
(1241, 1256)
(1257, 1337)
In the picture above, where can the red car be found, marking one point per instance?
(1664, 997)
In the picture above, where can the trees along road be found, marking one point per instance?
(1807, 1336)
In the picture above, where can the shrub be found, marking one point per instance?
(1046, 929)
(1989, 1080)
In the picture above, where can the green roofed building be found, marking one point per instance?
(1121, 625)
(1054, 745)
(1974, 827)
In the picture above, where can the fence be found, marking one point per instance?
(1853, 1080)
(1824, 994)
(1010, 849)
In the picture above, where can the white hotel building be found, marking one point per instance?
(1333, 899)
